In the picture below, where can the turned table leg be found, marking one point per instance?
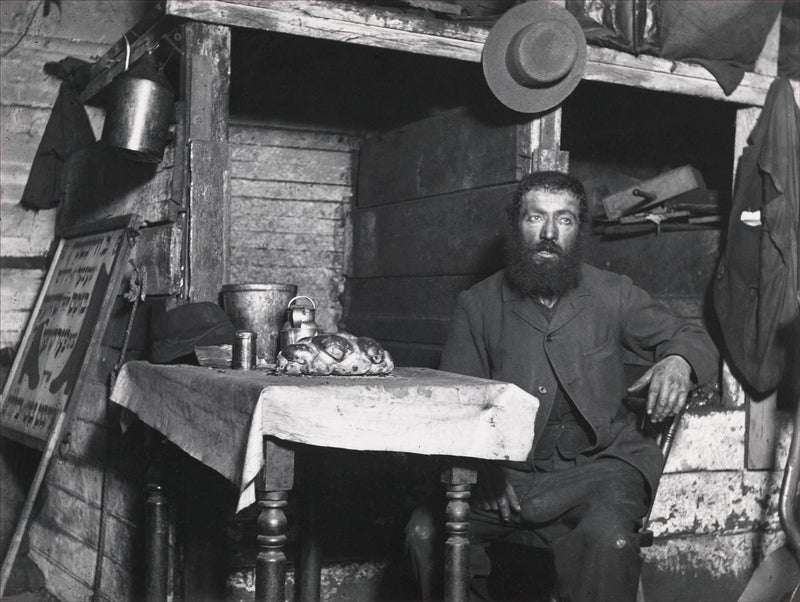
(272, 491)
(156, 522)
(309, 571)
(157, 540)
(458, 481)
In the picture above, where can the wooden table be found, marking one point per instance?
(245, 426)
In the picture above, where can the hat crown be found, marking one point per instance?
(534, 56)
(542, 53)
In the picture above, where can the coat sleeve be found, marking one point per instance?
(464, 350)
(648, 329)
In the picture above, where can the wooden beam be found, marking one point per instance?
(141, 39)
(144, 24)
(356, 23)
(205, 83)
(760, 437)
(351, 22)
(664, 75)
(761, 421)
(209, 219)
(539, 145)
(419, 34)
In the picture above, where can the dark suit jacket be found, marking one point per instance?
(755, 293)
(498, 333)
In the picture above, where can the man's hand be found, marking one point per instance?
(494, 493)
(670, 380)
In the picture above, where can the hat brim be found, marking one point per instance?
(167, 350)
(503, 85)
(175, 333)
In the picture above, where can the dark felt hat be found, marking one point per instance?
(534, 56)
(175, 333)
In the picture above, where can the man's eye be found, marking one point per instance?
(534, 218)
(566, 221)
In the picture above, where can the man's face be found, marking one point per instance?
(549, 224)
(543, 252)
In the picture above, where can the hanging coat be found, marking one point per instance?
(67, 131)
(755, 292)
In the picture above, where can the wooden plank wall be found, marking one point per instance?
(98, 477)
(618, 137)
(18, 294)
(27, 97)
(292, 188)
(66, 540)
(65, 534)
(87, 538)
(291, 192)
(428, 224)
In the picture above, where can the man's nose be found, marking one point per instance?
(549, 231)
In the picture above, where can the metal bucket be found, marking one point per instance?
(138, 118)
(259, 308)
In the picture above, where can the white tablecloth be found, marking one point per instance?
(220, 416)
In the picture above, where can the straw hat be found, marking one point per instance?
(534, 56)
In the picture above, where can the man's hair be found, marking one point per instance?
(549, 181)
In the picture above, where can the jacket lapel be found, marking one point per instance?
(567, 308)
(523, 307)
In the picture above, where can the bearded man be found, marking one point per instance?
(557, 328)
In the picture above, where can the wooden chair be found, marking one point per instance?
(664, 434)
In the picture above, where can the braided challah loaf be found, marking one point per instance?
(340, 353)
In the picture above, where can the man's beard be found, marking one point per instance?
(537, 276)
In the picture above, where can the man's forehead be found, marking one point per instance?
(551, 200)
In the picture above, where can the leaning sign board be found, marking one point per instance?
(60, 345)
(67, 321)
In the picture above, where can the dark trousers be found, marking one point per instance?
(586, 515)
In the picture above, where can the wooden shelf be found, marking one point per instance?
(355, 23)
(379, 27)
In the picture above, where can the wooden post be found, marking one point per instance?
(761, 428)
(272, 490)
(459, 481)
(205, 82)
(539, 145)
(761, 425)
(759, 453)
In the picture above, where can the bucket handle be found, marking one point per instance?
(313, 305)
(127, 53)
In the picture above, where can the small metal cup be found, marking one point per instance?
(244, 350)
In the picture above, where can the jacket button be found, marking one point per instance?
(548, 338)
(542, 389)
